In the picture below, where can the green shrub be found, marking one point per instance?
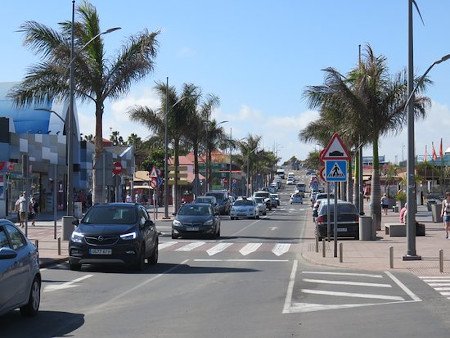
(401, 196)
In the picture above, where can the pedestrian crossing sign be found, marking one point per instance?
(336, 171)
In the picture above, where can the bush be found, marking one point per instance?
(401, 196)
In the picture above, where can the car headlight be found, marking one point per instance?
(209, 222)
(176, 223)
(77, 237)
(129, 236)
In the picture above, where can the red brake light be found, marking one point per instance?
(320, 219)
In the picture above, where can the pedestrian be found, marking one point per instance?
(403, 213)
(128, 199)
(21, 208)
(385, 204)
(31, 212)
(445, 213)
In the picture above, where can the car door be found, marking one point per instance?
(8, 275)
(24, 262)
(148, 232)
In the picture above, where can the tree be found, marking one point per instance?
(96, 77)
(370, 103)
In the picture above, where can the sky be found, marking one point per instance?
(257, 56)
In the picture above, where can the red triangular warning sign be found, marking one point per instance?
(335, 150)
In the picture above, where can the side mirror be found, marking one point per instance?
(315, 213)
(7, 253)
(76, 221)
(149, 223)
(362, 213)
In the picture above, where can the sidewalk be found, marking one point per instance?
(43, 234)
(374, 255)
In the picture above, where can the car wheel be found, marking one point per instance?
(174, 236)
(153, 259)
(140, 260)
(265, 213)
(231, 217)
(34, 299)
(74, 266)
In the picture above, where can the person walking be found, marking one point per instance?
(21, 208)
(445, 213)
(385, 204)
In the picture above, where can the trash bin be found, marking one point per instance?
(365, 228)
(436, 212)
(67, 227)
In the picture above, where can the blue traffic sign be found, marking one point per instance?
(336, 171)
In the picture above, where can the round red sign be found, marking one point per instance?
(117, 168)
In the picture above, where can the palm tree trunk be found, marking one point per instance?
(350, 182)
(196, 175)
(357, 187)
(176, 202)
(97, 188)
(375, 205)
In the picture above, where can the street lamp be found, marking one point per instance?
(411, 220)
(70, 124)
(166, 158)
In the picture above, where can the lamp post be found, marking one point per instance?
(166, 157)
(70, 118)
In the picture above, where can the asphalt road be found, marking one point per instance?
(249, 283)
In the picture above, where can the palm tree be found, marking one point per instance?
(179, 110)
(249, 157)
(96, 78)
(371, 103)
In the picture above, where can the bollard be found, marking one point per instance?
(391, 257)
(341, 252)
(59, 246)
(441, 261)
(317, 244)
(36, 244)
(323, 247)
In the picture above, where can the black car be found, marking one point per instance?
(223, 200)
(347, 220)
(196, 218)
(117, 233)
(208, 199)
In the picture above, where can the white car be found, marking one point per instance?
(261, 205)
(290, 181)
(296, 198)
(244, 208)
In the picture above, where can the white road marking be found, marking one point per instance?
(218, 248)
(249, 248)
(442, 289)
(273, 228)
(436, 280)
(334, 282)
(403, 287)
(351, 294)
(439, 284)
(244, 228)
(281, 248)
(310, 307)
(342, 274)
(433, 277)
(239, 260)
(445, 293)
(165, 245)
(66, 285)
(288, 299)
(100, 308)
(190, 246)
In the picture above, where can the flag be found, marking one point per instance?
(441, 151)
(426, 155)
(433, 152)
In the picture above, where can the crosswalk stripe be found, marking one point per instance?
(218, 248)
(335, 282)
(445, 293)
(191, 246)
(443, 289)
(437, 280)
(350, 294)
(433, 277)
(165, 245)
(281, 248)
(342, 274)
(439, 284)
(249, 248)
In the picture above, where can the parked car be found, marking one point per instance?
(223, 200)
(20, 278)
(290, 181)
(301, 187)
(347, 219)
(261, 205)
(244, 208)
(296, 198)
(196, 219)
(209, 199)
(114, 233)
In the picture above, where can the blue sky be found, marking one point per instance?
(257, 56)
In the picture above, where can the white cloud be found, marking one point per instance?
(186, 52)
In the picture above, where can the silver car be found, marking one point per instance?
(20, 278)
(261, 205)
(244, 208)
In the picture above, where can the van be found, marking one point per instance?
(281, 173)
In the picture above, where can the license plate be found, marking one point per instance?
(100, 251)
(192, 228)
(341, 229)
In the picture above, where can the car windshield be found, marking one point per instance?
(243, 202)
(110, 215)
(194, 210)
(204, 200)
(341, 209)
(218, 195)
(259, 200)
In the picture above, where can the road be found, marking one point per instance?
(249, 283)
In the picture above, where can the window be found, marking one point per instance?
(17, 239)
(3, 239)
